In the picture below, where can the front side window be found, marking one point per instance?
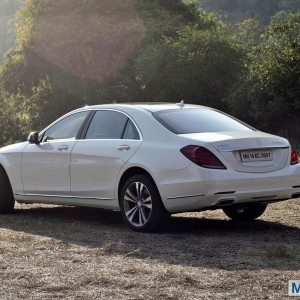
(107, 125)
(184, 121)
(66, 128)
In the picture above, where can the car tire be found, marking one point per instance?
(245, 212)
(7, 201)
(141, 204)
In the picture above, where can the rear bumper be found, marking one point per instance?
(195, 188)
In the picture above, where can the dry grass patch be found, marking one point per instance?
(49, 252)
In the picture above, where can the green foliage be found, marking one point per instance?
(102, 62)
(14, 118)
(49, 102)
(198, 66)
(20, 115)
(7, 28)
(93, 41)
(100, 51)
(247, 33)
(268, 94)
(25, 21)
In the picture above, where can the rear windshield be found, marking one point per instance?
(183, 121)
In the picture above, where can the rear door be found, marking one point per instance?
(109, 141)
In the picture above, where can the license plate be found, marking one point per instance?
(258, 155)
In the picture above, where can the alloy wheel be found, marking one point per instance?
(137, 204)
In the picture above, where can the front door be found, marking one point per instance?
(46, 167)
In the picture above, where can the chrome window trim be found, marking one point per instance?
(93, 110)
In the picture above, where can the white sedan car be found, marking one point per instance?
(150, 161)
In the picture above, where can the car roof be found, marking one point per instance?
(151, 107)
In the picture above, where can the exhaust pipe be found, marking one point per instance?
(225, 202)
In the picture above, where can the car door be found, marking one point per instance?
(110, 140)
(46, 167)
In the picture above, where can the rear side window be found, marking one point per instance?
(130, 132)
(184, 121)
(107, 125)
(110, 125)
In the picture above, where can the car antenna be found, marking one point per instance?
(181, 104)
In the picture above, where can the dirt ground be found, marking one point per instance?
(51, 252)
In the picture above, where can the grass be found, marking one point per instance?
(51, 252)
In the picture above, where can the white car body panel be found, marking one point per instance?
(95, 165)
(46, 168)
(229, 145)
(89, 171)
(191, 188)
(10, 160)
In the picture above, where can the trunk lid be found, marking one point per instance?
(247, 151)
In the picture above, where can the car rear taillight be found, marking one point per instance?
(294, 157)
(202, 157)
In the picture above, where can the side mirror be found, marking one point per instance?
(33, 138)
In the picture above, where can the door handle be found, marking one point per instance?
(63, 148)
(124, 148)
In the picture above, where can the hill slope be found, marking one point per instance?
(237, 10)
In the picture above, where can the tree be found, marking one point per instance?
(106, 51)
(7, 29)
(198, 66)
(268, 95)
(14, 118)
(135, 50)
